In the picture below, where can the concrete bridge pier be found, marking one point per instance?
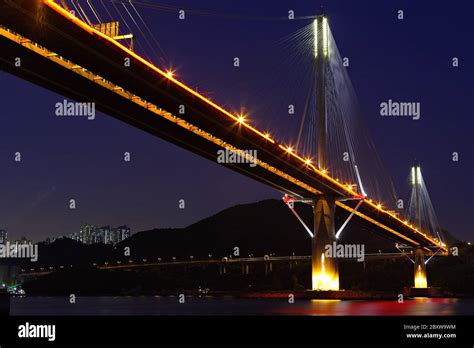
(421, 281)
(325, 271)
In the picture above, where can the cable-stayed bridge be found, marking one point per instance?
(332, 163)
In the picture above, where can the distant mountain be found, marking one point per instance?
(258, 228)
(449, 238)
(265, 227)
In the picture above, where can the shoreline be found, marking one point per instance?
(343, 295)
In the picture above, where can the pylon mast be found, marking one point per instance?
(325, 273)
(416, 181)
(321, 43)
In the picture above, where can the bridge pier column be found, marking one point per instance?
(420, 269)
(325, 271)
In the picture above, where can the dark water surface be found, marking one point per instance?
(148, 305)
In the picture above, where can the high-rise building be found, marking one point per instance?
(90, 234)
(114, 236)
(3, 237)
(123, 232)
(105, 230)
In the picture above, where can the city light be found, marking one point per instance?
(169, 73)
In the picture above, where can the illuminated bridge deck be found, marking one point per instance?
(67, 56)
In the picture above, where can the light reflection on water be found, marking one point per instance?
(156, 305)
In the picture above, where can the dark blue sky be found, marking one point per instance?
(408, 60)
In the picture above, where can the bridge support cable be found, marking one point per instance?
(83, 12)
(163, 56)
(343, 134)
(404, 253)
(132, 11)
(76, 11)
(94, 12)
(359, 180)
(428, 260)
(350, 129)
(111, 18)
(124, 21)
(290, 204)
(338, 234)
(420, 208)
(143, 35)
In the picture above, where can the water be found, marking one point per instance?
(148, 305)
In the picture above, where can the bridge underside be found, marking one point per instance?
(150, 101)
(47, 74)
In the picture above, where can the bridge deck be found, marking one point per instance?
(85, 65)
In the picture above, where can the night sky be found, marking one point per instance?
(405, 60)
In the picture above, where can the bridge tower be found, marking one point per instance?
(325, 273)
(420, 264)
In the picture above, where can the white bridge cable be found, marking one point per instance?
(94, 12)
(155, 5)
(163, 57)
(107, 12)
(83, 12)
(338, 234)
(78, 12)
(111, 18)
(122, 18)
(146, 35)
(152, 48)
(377, 183)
